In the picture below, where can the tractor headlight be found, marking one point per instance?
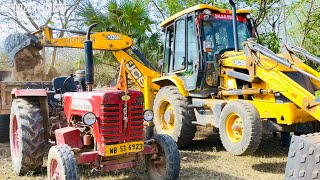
(148, 115)
(89, 118)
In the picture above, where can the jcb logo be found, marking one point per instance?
(136, 73)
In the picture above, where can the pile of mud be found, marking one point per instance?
(29, 65)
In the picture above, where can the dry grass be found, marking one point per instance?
(204, 159)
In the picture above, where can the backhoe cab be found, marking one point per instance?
(195, 40)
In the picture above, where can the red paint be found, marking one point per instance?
(118, 166)
(88, 157)
(108, 108)
(229, 17)
(148, 149)
(15, 136)
(29, 92)
(54, 170)
(226, 17)
(70, 136)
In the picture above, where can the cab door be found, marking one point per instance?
(181, 53)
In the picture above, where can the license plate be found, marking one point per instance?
(117, 149)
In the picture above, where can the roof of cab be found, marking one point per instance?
(199, 7)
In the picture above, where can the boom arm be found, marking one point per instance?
(109, 41)
(259, 57)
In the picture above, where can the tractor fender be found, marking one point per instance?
(171, 80)
(28, 92)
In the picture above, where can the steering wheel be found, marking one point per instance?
(224, 50)
(68, 82)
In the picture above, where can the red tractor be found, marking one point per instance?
(100, 127)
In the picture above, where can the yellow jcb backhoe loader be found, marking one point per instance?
(213, 73)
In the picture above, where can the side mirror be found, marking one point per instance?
(207, 45)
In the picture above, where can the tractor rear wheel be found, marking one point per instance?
(26, 135)
(240, 128)
(4, 128)
(61, 163)
(165, 164)
(173, 117)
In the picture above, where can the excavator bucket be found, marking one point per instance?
(304, 157)
(25, 58)
(26, 46)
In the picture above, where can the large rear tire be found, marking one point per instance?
(4, 128)
(165, 165)
(26, 135)
(61, 163)
(304, 157)
(173, 117)
(240, 128)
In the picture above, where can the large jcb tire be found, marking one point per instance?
(240, 128)
(304, 157)
(26, 135)
(173, 117)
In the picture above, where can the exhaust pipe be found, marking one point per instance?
(235, 27)
(89, 59)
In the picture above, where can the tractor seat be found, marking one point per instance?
(58, 87)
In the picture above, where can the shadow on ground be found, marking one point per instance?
(275, 168)
(207, 139)
(204, 174)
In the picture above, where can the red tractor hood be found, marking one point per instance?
(79, 103)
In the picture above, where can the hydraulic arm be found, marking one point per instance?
(258, 59)
(109, 41)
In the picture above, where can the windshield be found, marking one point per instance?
(218, 29)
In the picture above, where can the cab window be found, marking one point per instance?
(180, 45)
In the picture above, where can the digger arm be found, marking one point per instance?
(260, 59)
(108, 41)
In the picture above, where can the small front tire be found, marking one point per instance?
(165, 165)
(61, 163)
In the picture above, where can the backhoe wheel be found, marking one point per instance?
(4, 128)
(240, 128)
(26, 135)
(165, 164)
(173, 117)
(61, 163)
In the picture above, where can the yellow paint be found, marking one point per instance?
(234, 127)
(175, 80)
(136, 70)
(200, 7)
(124, 148)
(148, 93)
(166, 109)
(100, 41)
(286, 113)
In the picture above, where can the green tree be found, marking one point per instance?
(128, 17)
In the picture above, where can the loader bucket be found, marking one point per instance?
(16, 42)
(304, 157)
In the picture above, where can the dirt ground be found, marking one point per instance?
(204, 159)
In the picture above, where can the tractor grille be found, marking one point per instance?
(112, 126)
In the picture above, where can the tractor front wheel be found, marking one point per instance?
(173, 117)
(240, 128)
(165, 164)
(61, 163)
(26, 135)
